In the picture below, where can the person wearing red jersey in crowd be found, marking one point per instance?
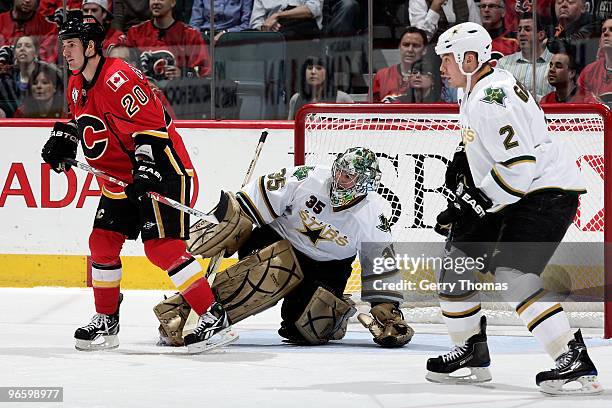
(596, 78)
(125, 132)
(562, 75)
(392, 83)
(169, 49)
(492, 14)
(101, 10)
(23, 19)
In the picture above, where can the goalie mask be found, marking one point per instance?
(354, 173)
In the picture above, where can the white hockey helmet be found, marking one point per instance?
(465, 37)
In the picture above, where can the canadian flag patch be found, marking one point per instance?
(116, 80)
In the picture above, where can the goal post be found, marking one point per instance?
(415, 142)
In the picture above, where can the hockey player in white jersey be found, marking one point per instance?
(326, 216)
(516, 195)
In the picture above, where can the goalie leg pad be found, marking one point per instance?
(172, 314)
(325, 317)
(229, 235)
(259, 281)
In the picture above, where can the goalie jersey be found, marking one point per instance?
(295, 202)
(509, 150)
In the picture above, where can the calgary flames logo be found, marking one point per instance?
(154, 63)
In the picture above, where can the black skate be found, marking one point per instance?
(213, 330)
(474, 356)
(100, 333)
(572, 366)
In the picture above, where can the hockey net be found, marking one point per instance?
(414, 144)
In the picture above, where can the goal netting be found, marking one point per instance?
(414, 143)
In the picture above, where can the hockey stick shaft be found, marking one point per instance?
(155, 196)
(215, 261)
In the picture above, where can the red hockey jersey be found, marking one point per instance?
(178, 45)
(115, 108)
(389, 84)
(576, 96)
(596, 79)
(44, 31)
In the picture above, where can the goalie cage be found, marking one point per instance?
(415, 142)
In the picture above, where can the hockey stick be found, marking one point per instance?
(155, 196)
(215, 261)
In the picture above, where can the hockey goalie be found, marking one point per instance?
(297, 233)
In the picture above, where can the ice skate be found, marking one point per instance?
(473, 356)
(574, 366)
(100, 333)
(213, 330)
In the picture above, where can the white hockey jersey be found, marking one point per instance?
(507, 144)
(296, 203)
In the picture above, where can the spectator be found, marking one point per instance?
(295, 19)
(23, 19)
(45, 95)
(573, 22)
(168, 49)
(345, 17)
(230, 16)
(392, 84)
(492, 14)
(129, 13)
(317, 85)
(520, 63)
(562, 76)
(100, 9)
(596, 78)
(9, 93)
(26, 58)
(435, 16)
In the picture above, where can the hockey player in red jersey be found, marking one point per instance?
(124, 131)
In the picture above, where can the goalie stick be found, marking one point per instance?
(155, 196)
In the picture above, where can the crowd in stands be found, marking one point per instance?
(326, 50)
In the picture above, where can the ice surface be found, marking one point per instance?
(37, 349)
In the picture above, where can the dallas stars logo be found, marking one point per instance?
(313, 233)
(384, 225)
(302, 172)
(495, 95)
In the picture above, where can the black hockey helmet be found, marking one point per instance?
(84, 27)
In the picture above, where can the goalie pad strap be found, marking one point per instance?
(234, 228)
(325, 317)
(258, 282)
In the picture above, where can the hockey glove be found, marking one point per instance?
(458, 169)
(387, 325)
(471, 200)
(146, 178)
(61, 145)
(446, 218)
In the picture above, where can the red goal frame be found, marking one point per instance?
(601, 110)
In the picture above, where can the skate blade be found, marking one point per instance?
(101, 343)
(475, 376)
(589, 386)
(220, 339)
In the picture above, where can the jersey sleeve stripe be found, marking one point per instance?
(111, 195)
(249, 207)
(504, 186)
(264, 195)
(155, 133)
(518, 160)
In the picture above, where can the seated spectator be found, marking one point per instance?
(436, 16)
(573, 22)
(295, 19)
(168, 49)
(100, 9)
(317, 85)
(230, 16)
(9, 93)
(562, 76)
(492, 14)
(345, 17)
(596, 78)
(520, 63)
(392, 84)
(23, 19)
(45, 95)
(26, 59)
(129, 13)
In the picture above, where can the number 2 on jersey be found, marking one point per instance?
(508, 130)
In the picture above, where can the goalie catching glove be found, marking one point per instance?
(387, 325)
(61, 145)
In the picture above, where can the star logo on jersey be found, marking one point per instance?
(302, 172)
(116, 80)
(317, 231)
(495, 96)
(385, 225)
(313, 233)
